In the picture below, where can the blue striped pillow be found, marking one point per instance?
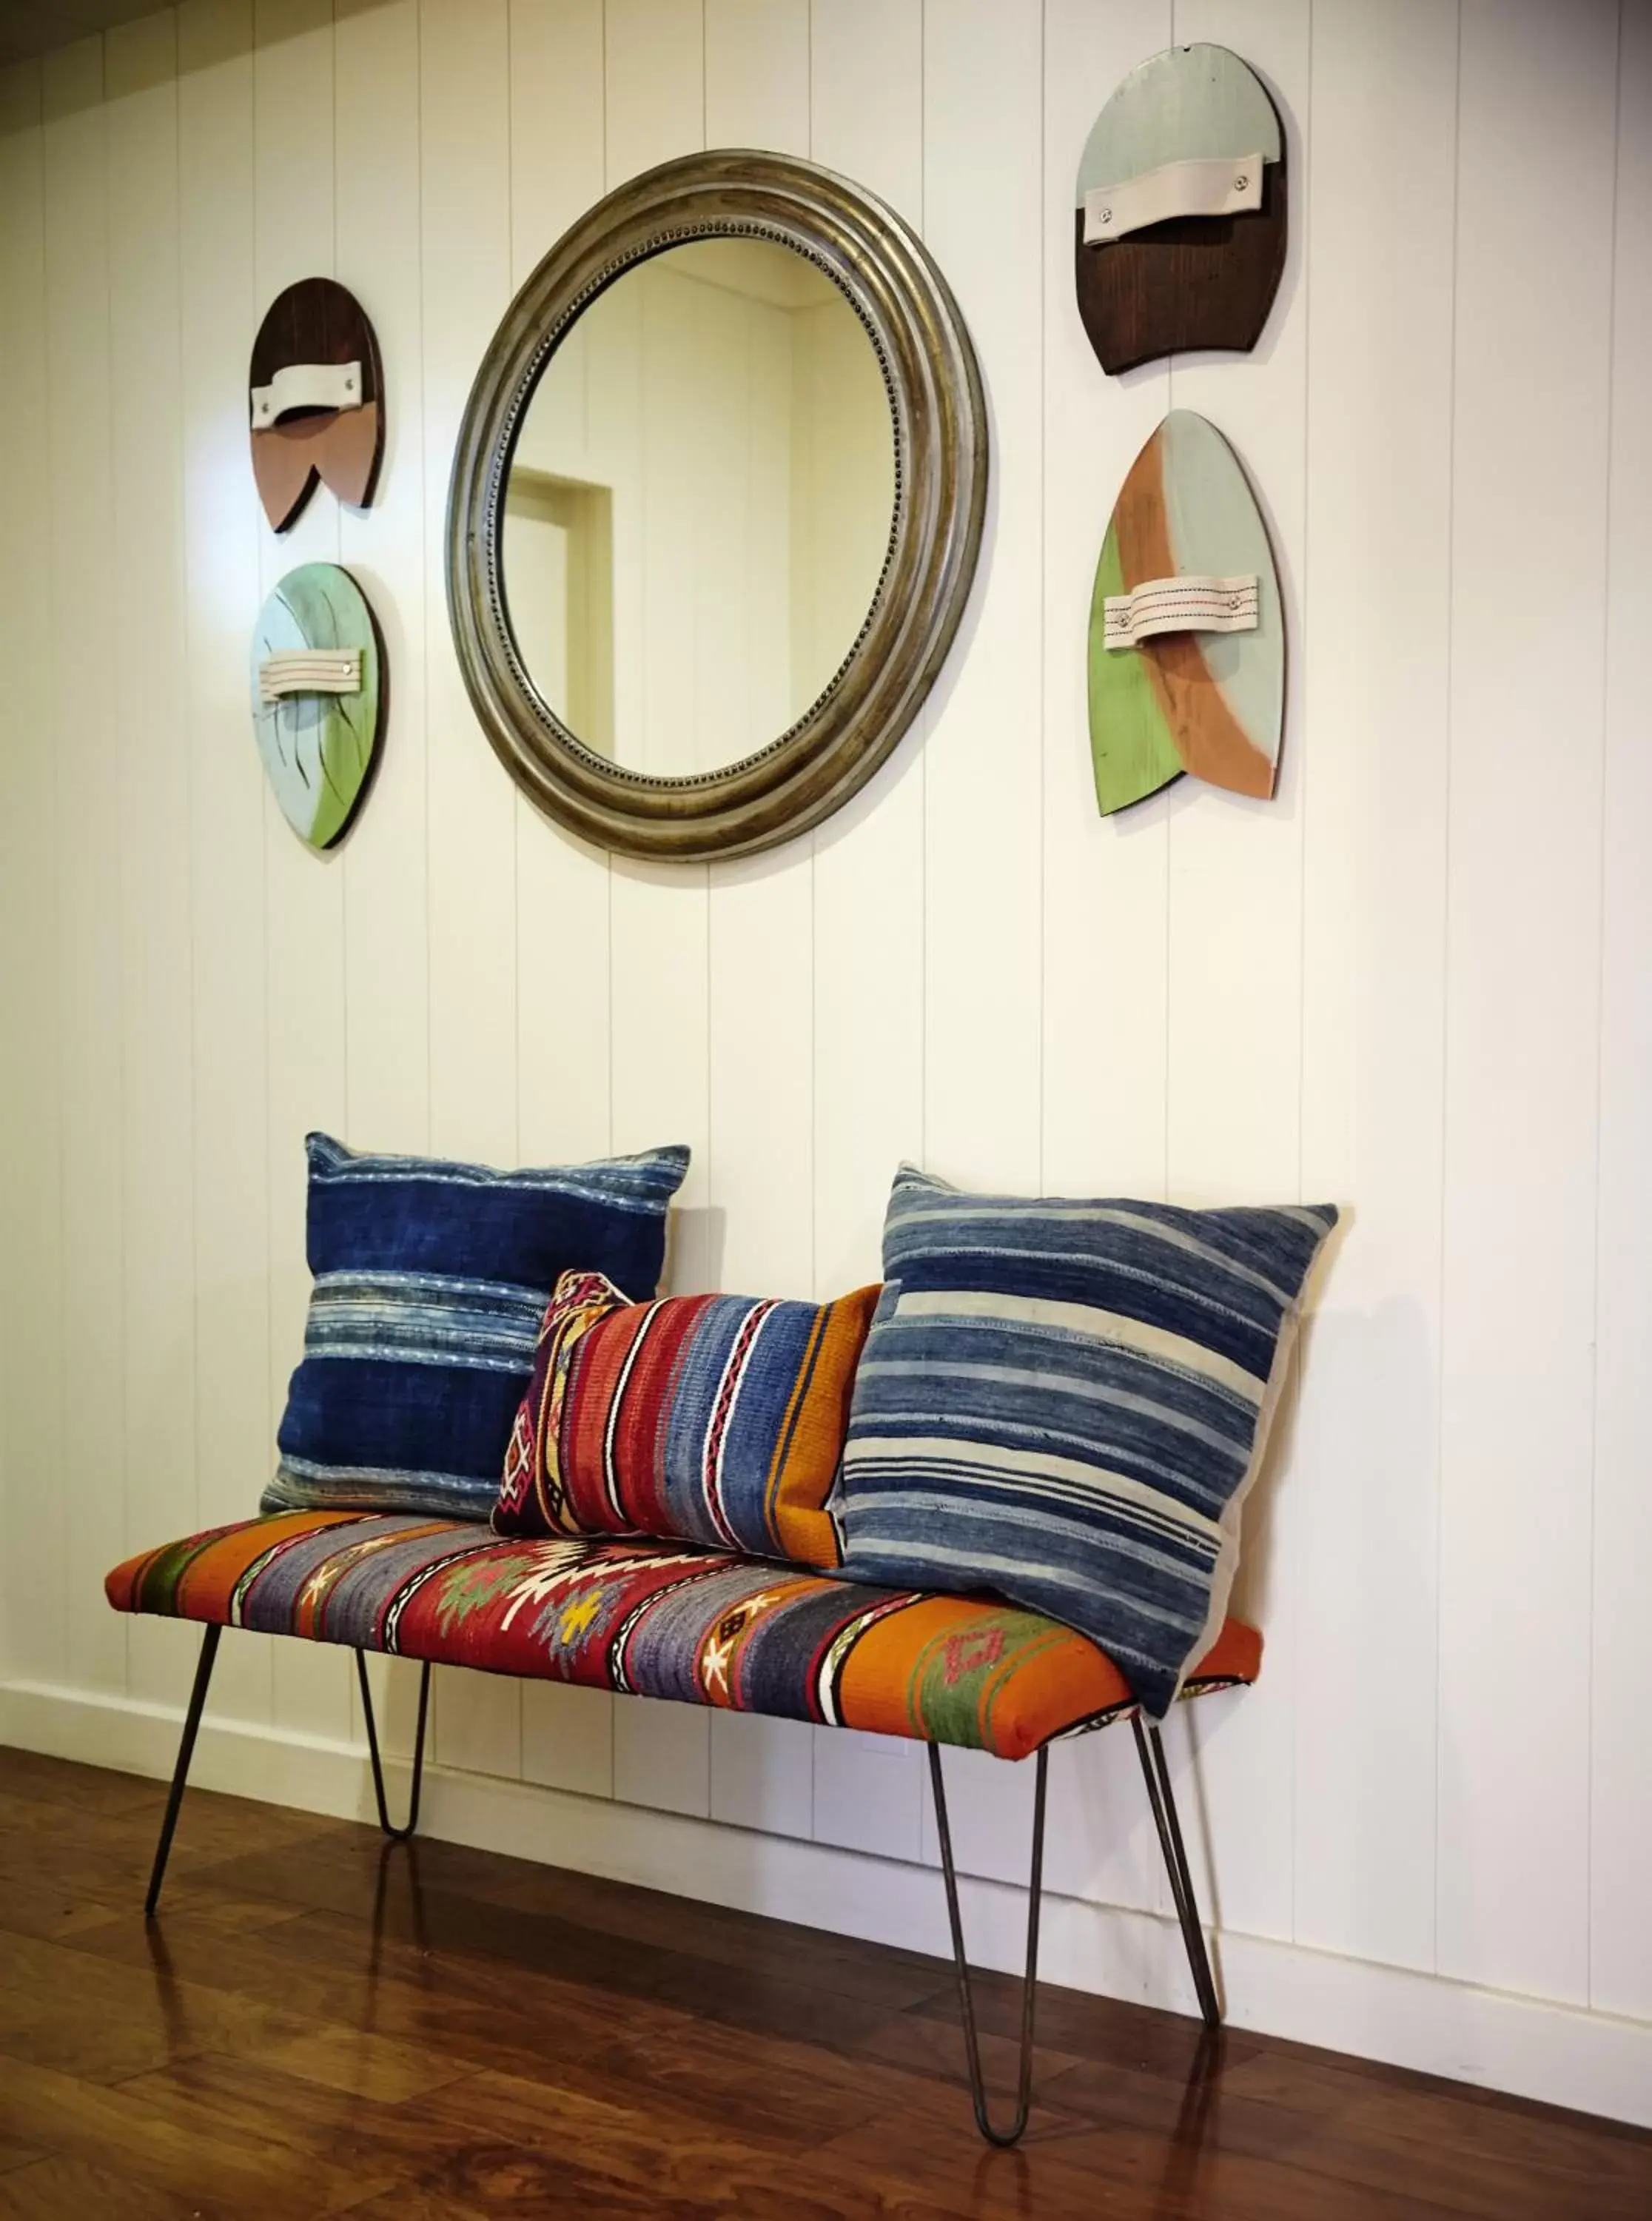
(431, 1279)
(1066, 1401)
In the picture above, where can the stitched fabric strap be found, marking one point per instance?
(310, 670)
(1216, 185)
(306, 385)
(1180, 605)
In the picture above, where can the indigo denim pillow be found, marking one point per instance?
(1066, 1401)
(712, 1419)
(431, 1279)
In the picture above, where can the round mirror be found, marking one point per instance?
(716, 506)
(700, 506)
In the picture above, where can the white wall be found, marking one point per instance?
(1415, 982)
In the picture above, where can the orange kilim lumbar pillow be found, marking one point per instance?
(715, 1419)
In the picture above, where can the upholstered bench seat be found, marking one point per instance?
(657, 1619)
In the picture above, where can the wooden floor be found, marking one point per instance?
(320, 2025)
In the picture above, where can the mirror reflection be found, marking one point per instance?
(699, 506)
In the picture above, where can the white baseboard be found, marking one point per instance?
(1554, 2053)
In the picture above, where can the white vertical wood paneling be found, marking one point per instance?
(293, 238)
(655, 107)
(562, 885)
(89, 859)
(32, 1633)
(386, 915)
(223, 531)
(465, 115)
(465, 171)
(140, 92)
(1414, 983)
(866, 111)
(565, 1110)
(757, 74)
(983, 800)
(866, 119)
(1524, 994)
(1379, 278)
(1620, 1782)
(1102, 972)
(983, 757)
(1105, 880)
(1234, 1060)
(761, 969)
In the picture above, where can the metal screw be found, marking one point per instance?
(1240, 182)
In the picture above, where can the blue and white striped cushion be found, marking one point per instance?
(430, 1279)
(1065, 1402)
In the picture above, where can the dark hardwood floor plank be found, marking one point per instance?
(117, 2133)
(60, 2189)
(1069, 2167)
(1565, 2148)
(525, 1899)
(105, 2022)
(1106, 2030)
(809, 1956)
(32, 1775)
(645, 2149)
(362, 2063)
(532, 2186)
(47, 1908)
(476, 2013)
(214, 2094)
(318, 2024)
(751, 1992)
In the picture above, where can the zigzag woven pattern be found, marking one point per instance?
(656, 1619)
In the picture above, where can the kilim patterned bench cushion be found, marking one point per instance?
(657, 1619)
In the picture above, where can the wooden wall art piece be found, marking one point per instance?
(1180, 229)
(320, 690)
(317, 403)
(1187, 652)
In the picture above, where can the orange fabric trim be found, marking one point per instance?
(812, 1443)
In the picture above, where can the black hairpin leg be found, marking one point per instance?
(1156, 1774)
(1030, 1985)
(181, 1771)
(396, 1835)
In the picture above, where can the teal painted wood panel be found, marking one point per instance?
(318, 749)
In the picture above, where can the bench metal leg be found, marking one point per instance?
(181, 1771)
(1003, 2137)
(1151, 1751)
(396, 1835)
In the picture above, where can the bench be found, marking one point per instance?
(673, 1621)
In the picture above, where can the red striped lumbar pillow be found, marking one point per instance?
(715, 1419)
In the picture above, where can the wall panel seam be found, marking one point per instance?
(1446, 976)
(1608, 522)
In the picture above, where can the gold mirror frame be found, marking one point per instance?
(940, 423)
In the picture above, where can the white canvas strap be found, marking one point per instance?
(1180, 605)
(305, 386)
(1212, 185)
(309, 670)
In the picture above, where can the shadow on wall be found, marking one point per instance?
(1254, 1589)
